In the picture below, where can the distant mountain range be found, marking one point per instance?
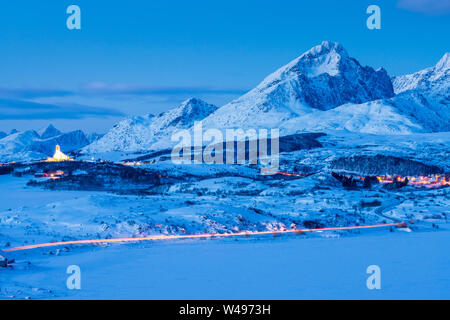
(322, 90)
(40, 144)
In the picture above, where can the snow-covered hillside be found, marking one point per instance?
(148, 132)
(374, 117)
(30, 145)
(406, 113)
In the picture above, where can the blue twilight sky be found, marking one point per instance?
(134, 57)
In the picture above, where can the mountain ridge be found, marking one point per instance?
(139, 133)
(322, 89)
(30, 145)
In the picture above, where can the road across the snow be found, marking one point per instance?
(196, 236)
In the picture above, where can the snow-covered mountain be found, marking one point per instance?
(433, 80)
(49, 132)
(128, 134)
(320, 79)
(70, 141)
(30, 145)
(325, 89)
(427, 94)
(149, 132)
(3, 134)
(422, 104)
(17, 143)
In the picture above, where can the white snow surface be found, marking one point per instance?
(290, 268)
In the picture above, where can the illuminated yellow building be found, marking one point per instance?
(59, 156)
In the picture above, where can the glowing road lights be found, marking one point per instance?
(197, 236)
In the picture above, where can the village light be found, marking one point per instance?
(419, 181)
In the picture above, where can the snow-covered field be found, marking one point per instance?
(413, 266)
(323, 265)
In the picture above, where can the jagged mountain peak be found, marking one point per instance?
(322, 53)
(190, 110)
(323, 58)
(444, 62)
(49, 132)
(327, 55)
(194, 105)
(322, 78)
(145, 132)
(325, 47)
(193, 101)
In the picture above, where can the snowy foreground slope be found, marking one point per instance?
(286, 268)
(322, 266)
